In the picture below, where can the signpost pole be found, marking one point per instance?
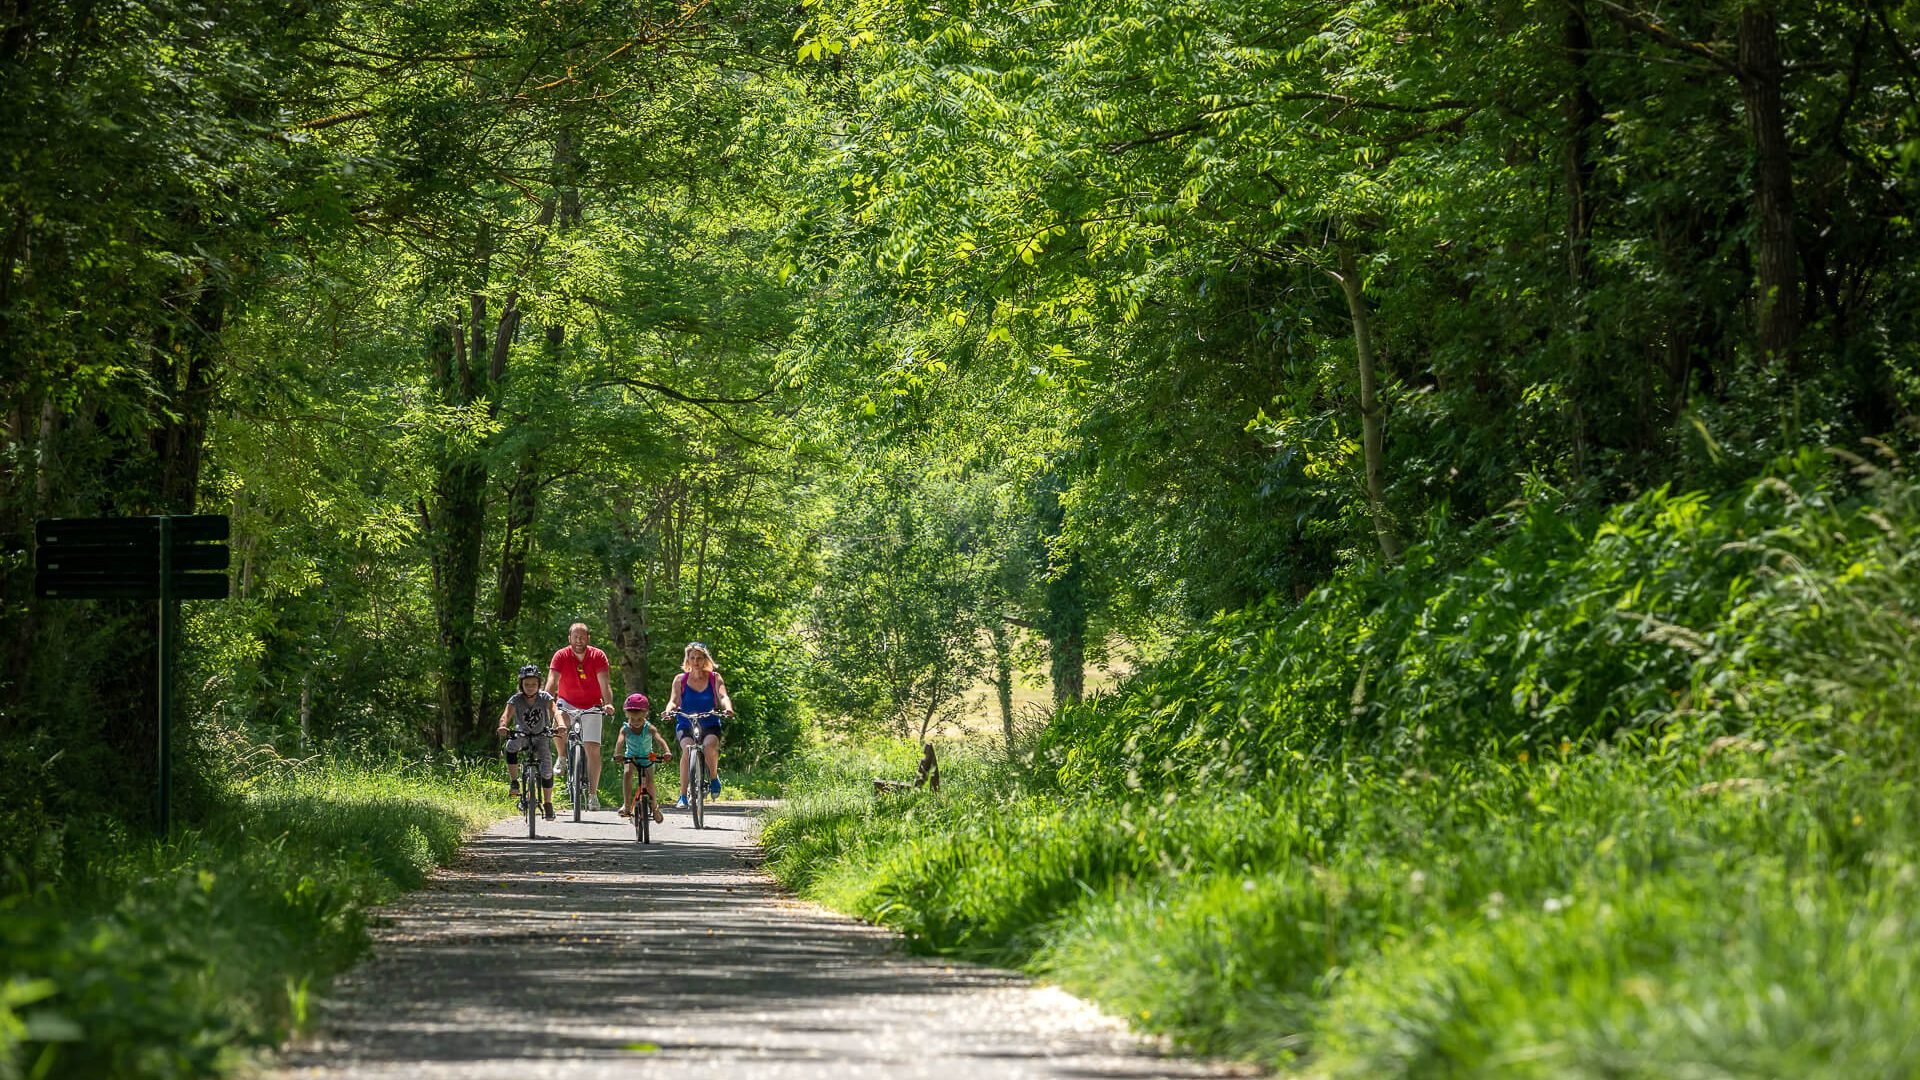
(165, 688)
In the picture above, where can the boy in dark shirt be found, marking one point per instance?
(530, 714)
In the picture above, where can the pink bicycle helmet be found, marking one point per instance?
(636, 703)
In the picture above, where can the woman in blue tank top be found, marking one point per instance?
(698, 689)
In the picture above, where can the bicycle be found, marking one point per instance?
(577, 792)
(697, 768)
(529, 775)
(643, 799)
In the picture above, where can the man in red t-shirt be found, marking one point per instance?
(578, 678)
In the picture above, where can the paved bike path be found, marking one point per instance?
(678, 959)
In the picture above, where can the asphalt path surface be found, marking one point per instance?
(584, 954)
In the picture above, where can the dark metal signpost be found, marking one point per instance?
(168, 559)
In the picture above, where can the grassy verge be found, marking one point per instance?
(1616, 912)
(1640, 809)
(189, 957)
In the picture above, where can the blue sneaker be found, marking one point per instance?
(713, 787)
(683, 802)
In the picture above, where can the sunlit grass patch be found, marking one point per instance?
(1632, 803)
(190, 956)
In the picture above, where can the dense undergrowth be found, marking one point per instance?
(189, 957)
(1626, 797)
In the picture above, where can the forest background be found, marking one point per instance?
(896, 348)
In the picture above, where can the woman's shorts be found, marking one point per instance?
(685, 731)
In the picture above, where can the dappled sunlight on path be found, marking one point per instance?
(676, 959)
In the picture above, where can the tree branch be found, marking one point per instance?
(661, 388)
(1638, 24)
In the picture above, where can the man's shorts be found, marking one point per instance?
(587, 724)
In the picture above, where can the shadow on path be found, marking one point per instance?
(596, 956)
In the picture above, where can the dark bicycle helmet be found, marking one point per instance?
(529, 671)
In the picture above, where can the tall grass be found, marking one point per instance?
(1633, 797)
(190, 956)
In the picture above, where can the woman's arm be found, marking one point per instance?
(721, 699)
(673, 696)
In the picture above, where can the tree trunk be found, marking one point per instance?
(627, 628)
(1372, 437)
(1582, 114)
(1761, 75)
(1066, 619)
(306, 711)
(523, 504)
(1003, 677)
(454, 527)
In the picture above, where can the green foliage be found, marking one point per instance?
(1704, 858)
(1568, 628)
(191, 956)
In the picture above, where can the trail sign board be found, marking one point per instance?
(168, 559)
(125, 558)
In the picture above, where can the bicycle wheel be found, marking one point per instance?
(697, 800)
(642, 817)
(577, 775)
(530, 791)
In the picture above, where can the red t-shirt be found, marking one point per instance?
(579, 683)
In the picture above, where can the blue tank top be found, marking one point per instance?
(698, 701)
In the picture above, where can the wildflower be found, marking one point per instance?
(1523, 757)
(1416, 881)
(1553, 905)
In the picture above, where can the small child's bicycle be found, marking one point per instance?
(643, 799)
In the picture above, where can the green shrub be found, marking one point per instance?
(1632, 798)
(183, 958)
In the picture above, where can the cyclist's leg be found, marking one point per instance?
(646, 782)
(546, 775)
(568, 716)
(513, 773)
(713, 757)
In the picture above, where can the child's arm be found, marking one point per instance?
(619, 741)
(666, 751)
(505, 715)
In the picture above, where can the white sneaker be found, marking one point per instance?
(593, 802)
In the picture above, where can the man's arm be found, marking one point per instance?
(606, 688)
